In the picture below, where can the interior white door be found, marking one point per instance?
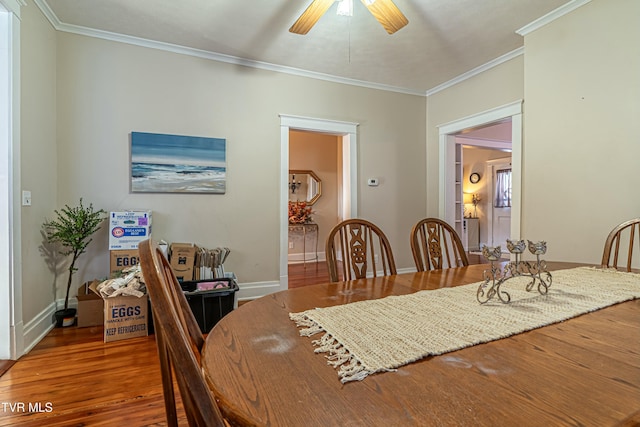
(501, 214)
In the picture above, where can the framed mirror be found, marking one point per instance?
(304, 186)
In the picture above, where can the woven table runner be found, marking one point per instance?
(366, 337)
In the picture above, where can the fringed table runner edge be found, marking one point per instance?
(350, 366)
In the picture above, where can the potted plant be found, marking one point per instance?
(72, 229)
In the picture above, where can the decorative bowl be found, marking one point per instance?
(537, 248)
(492, 253)
(516, 246)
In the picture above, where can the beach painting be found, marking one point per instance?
(177, 164)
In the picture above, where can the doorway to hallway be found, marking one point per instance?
(450, 196)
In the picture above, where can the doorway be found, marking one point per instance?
(449, 197)
(347, 132)
(315, 172)
(482, 148)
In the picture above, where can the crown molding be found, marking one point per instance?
(478, 70)
(551, 16)
(12, 6)
(540, 22)
(182, 50)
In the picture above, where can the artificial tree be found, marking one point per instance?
(72, 229)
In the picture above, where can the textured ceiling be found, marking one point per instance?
(444, 38)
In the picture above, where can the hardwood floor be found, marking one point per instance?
(311, 273)
(73, 378)
(5, 365)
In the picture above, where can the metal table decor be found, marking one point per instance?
(494, 278)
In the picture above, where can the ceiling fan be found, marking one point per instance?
(385, 11)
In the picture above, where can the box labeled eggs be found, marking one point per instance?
(128, 228)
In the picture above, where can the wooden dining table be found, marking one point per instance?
(584, 371)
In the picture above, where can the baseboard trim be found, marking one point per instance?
(407, 270)
(251, 291)
(299, 258)
(38, 327)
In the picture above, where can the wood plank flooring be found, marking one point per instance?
(311, 273)
(5, 365)
(73, 378)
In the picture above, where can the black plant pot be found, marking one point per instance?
(65, 317)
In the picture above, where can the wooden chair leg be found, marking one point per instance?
(167, 380)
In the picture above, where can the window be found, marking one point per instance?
(503, 189)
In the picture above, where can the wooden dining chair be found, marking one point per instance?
(436, 245)
(620, 242)
(357, 248)
(179, 342)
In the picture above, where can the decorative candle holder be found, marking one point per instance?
(495, 277)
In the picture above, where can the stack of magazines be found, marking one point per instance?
(209, 263)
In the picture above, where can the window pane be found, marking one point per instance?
(502, 197)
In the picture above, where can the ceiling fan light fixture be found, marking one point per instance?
(385, 12)
(345, 8)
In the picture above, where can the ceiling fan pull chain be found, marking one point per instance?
(349, 24)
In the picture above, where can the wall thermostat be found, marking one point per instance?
(372, 182)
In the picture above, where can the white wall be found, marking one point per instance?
(582, 104)
(38, 166)
(108, 89)
(82, 97)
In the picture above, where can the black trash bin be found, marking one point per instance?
(209, 306)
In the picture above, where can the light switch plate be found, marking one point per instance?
(26, 198)
(372, 182)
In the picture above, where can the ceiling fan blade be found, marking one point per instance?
(387, 14)
(309, 17)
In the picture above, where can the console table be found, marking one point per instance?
(310, 228)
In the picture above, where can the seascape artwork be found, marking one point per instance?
(177, 164)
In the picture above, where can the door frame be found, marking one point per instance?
(348, 204)
(11, 326)
(447, 142)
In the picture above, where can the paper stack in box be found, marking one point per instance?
(125, 305)
(210, 263)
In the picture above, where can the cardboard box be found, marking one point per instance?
(90, 307)
(121, 260)
(124, 316)
(182, 259)
(128, 228)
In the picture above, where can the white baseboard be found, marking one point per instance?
(407, 270)
(38, 327)
(299, 258)
(251, 291)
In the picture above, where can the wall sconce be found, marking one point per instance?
(293, 185)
